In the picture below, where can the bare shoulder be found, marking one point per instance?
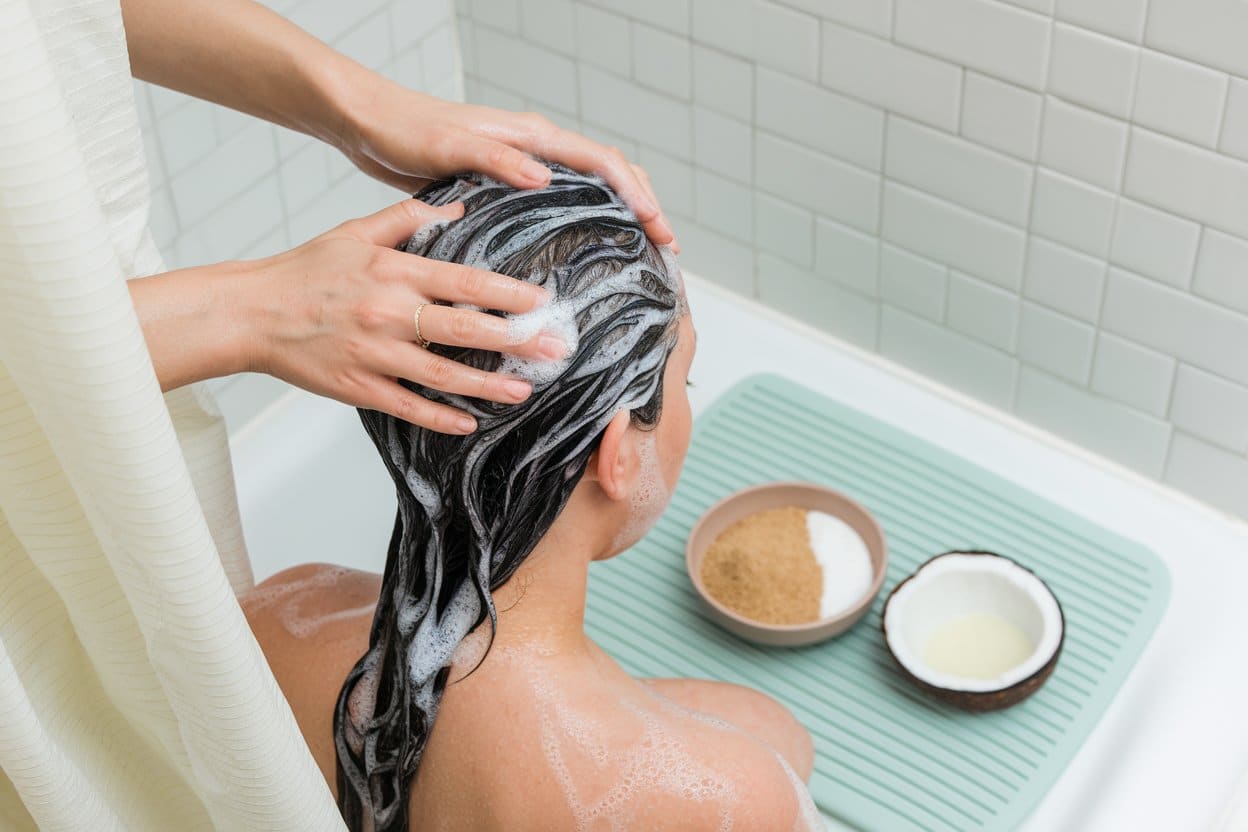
(297, 603)
(743, 784)
(596, 753)
(752, 711)
(312, 623)
(349, 585)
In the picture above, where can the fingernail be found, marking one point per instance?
(517, 389)
(552, 347)
(536, 172)
(466, 424)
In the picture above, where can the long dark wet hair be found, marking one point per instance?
(472, 508)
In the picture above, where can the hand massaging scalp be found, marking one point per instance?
(472, 508)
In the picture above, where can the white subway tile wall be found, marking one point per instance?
(228, 186)
(1043, 203)
(1082, 143)
(1064, 279)
(816, 300)
(1056, 342)
(1235, 123)
(982, 311)
(1136, 375)
(1000, 115)
(1120, 18)
(1180, 98)
(846, 256)
(1093, 70)
(914, 283)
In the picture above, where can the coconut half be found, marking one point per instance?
(954, 586)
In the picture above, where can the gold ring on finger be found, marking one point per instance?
(421, 340)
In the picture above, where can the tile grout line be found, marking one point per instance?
(879, 236)
(1020, 295)
(1174, 383)
(756, 286)
(166, 180)
(281, 187)
(1115, 214)
(1109, 264)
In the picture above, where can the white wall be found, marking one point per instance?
(226, 186)
(1041, 202)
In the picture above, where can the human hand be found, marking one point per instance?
(407, 139)
(336, 316)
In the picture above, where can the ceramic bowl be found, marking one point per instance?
(781, 495)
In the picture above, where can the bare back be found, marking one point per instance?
(542, 738)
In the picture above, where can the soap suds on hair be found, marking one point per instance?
(472, 508)
(673, 269)
(557, 318)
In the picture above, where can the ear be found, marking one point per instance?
(614, 463)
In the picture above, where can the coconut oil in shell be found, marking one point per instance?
(976, 646)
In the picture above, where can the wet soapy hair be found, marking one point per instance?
(472, 508)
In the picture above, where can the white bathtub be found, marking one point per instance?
(1171, 748)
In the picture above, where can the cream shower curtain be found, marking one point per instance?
(132, 694)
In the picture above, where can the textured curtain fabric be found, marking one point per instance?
(132, 694)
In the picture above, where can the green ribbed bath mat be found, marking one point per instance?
(887, 758)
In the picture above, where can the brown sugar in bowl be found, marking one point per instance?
(774, 495)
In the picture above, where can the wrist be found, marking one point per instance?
(349, 96)
(243, 310)
(197, 323)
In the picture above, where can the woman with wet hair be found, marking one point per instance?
(476, 701)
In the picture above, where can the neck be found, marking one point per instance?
(544, 601)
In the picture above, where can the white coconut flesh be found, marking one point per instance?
(957, 585)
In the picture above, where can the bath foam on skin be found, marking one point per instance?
(808, 819)
(657, 760)
(649, 498)
(287, 602)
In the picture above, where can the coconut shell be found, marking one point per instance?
(978, 701)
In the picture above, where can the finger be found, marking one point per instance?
(456, 283)
(583, 154)
(396, 400)
(644, 178)
(393, 225)
(497, 159)
(410, 362)
(477, 330)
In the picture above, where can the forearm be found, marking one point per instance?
(195, 322)
(242, 55)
